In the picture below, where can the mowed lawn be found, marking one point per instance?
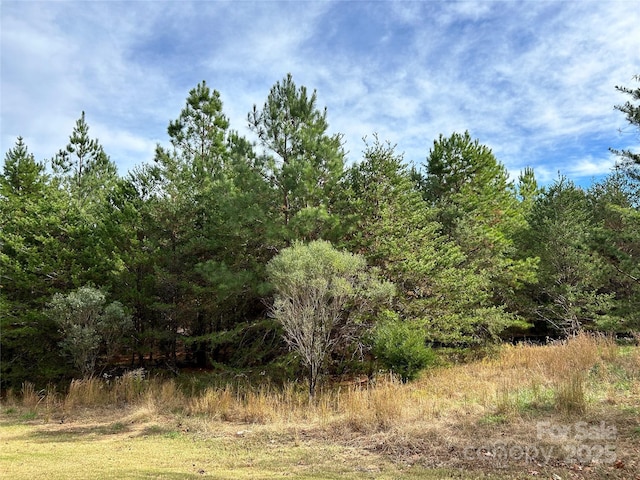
(35, 450)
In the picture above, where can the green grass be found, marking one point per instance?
(39, 451)
(493, 419)
(28, 416)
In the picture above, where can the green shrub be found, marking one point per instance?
(88, 324)
(401, 347)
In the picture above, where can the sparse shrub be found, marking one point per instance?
(577, 354)
(215, 403)
(9, 397)
(31, 415)
(562, 370)
(494, 419)
(86, 392)
(505, 402)
(117, 427)
(519, 400)
(168, 396)
(50, 401)
(259, 406)
(375, 409)
(317, 291)
(527, 380)
(130, 386)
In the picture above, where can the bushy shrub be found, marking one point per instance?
(317, 289)
(88, 325)
(401, 347)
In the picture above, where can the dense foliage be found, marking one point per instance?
(320, 294)
(201, 258)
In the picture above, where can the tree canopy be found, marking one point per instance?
(281, 257)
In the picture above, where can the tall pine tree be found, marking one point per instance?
(308, 162)
(35, 262)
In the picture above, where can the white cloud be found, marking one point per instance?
(124, 146)
(590, 166)
(534, 81)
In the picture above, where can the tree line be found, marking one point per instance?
(225, 253)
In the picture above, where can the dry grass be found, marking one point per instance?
(555, 376)
(520, 380)
(430, 422)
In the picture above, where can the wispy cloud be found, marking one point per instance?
(533, 80)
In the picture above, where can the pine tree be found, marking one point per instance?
(569, 296)
(631, 109)
(478, 207)
(308, 161)
(84, 166)
(394, 228)
(205, 214)
(616, 209)
(35, 262)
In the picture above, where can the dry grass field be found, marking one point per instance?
(562, 411)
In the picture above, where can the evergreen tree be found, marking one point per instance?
(54, 237)
(478, 208)
(528, 190)
(179, 185)
(393, 227)
(631, 109)
(128, 228)
(570, 295)
(35, 262)
(615, 202)
(199, 134)
(84, 166)
(88, 177)
(206, 217)
(309, 162)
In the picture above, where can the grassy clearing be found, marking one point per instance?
(96, 451)
(500, 417)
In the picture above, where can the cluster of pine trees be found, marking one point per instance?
(168, 265)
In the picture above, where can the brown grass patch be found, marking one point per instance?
(460, 416)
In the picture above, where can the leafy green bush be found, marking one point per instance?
(401, 347)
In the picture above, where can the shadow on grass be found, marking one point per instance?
(80, 433)
(163, 474)
(98, 432)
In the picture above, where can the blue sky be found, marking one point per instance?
(533, 80)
